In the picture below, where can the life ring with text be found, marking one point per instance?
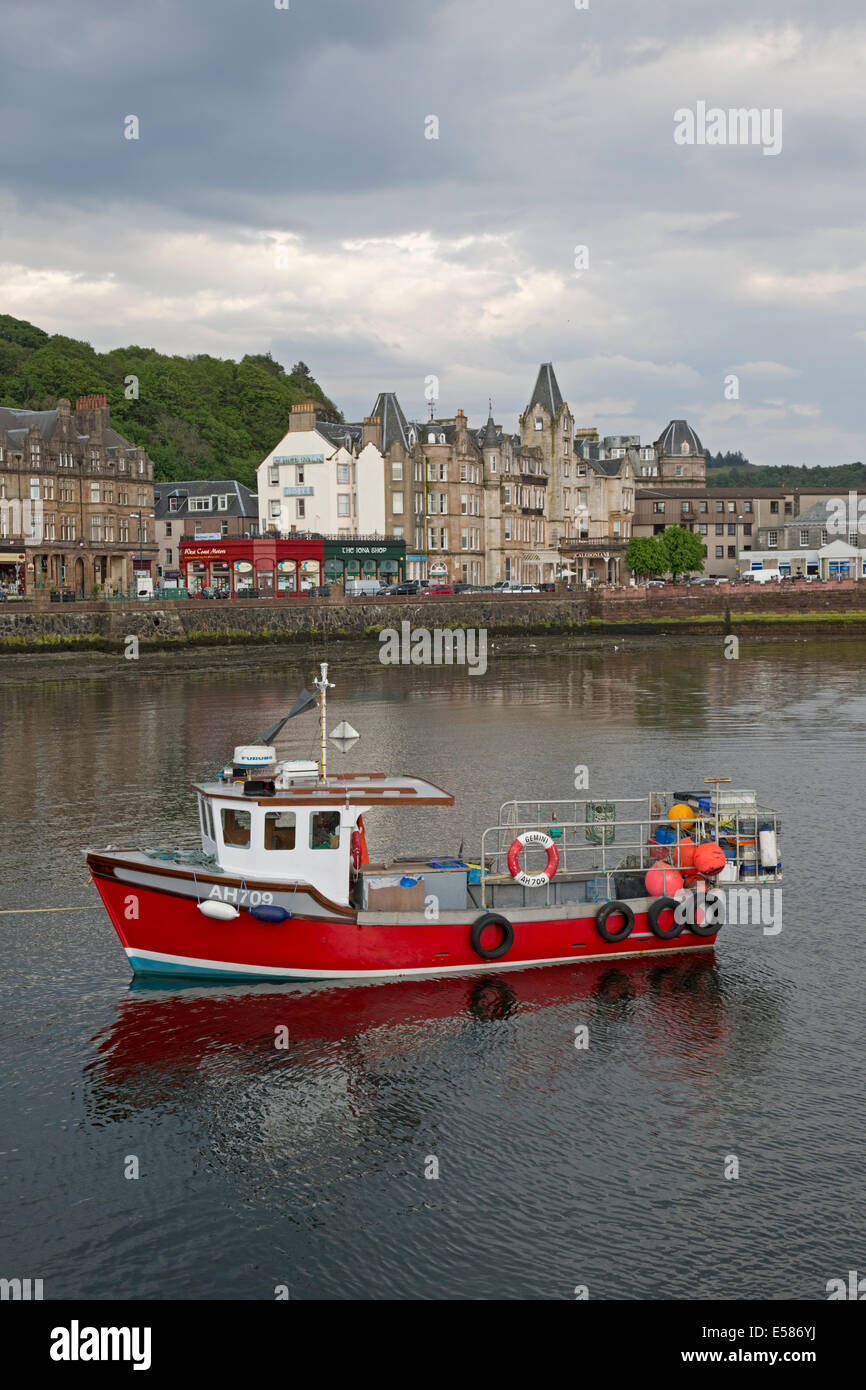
(614, 909)
(479, 926)
(543, 841)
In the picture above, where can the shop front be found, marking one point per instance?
(384, 560)
(251, 568)
(13, 572)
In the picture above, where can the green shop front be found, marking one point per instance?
(383, 559)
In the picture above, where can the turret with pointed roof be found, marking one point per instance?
(547, 392)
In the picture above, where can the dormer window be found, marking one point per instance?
(684, 449)
(441, 439)
(173, 504)
(411, 438)
(539, 423)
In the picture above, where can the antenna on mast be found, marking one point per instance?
(323, 685)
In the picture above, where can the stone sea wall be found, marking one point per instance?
(105, 626)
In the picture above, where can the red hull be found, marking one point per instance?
(166, 934)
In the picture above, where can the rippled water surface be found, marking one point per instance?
(557, 1167)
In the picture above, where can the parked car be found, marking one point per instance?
(439, 589)
(654, 583)
(407, 587)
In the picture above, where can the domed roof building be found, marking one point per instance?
(682, 461)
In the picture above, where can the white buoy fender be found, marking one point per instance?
(224, 911)
(769, 849)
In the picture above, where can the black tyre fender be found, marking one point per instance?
(491, 919)
(653, 917)
(614, 909)
(714, 919)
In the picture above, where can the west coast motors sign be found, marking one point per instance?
(299, 458)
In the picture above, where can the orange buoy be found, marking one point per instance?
(709, 858)
(681, 813)
(663, 883)
(686, 857)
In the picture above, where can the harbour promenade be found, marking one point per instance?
(708, 609)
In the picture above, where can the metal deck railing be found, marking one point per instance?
(597, 839)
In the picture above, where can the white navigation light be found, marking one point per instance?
(253, 755)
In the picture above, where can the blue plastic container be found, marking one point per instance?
(665, 835)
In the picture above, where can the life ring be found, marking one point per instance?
(614, 909)
(491, 919)
(654, 918)
(358, 845)
(533, 837)
(713, 921)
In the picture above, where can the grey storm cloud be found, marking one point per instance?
(455, 255)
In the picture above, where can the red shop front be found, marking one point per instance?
(261, 568)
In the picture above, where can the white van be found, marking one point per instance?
(764, 576)
(363, 588)
(143, 586)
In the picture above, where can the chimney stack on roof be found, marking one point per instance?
(91, 414)
(371, 432)
(303, 417)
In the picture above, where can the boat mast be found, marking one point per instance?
(323, 685)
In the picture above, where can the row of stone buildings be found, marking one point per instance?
(76, 501)
(551, 501)
(474, 505)
(471, 504)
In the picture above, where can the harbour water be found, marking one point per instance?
(310, 1166)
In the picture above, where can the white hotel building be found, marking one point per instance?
(314, 480)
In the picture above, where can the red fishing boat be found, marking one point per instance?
(282, 886)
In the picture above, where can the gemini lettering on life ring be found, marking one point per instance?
(543, 841)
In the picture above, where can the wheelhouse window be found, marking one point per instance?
(236, 827)
(325, 830)
(280, 830)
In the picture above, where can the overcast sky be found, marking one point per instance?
(282, 197)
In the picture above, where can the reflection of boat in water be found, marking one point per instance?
(162, 1036)
(282, 887)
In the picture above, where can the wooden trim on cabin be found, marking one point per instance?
(334, 797)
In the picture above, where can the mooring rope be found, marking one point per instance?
(19, 911)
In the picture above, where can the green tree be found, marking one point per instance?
(197, 416)
(644, 557)
(682, 551)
